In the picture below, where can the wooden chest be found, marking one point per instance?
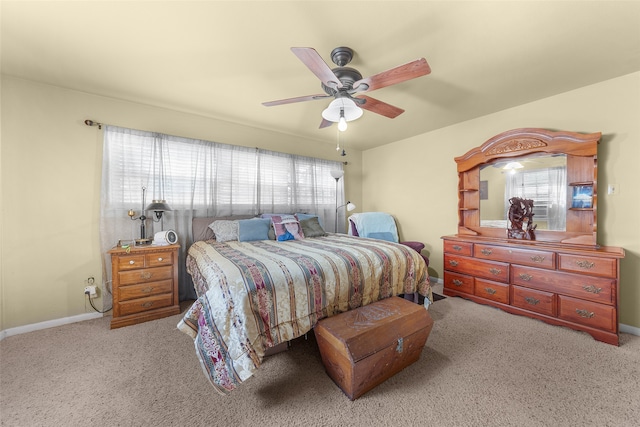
(364, 347)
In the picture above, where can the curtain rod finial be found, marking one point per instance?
(92, 123)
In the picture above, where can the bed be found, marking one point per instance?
(255, 295)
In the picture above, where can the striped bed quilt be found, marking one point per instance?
(256, 295)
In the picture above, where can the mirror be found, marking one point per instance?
(540, 177)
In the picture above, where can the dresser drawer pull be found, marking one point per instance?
(453, 263)
(495, 271)
(537, 258)
(458, 282)
(584, 313)
(592, 289)
(490, 291)
(132, 262)
(585, 264)
(531, 300)
(148, 289)
(147, 304)
(160, 259)
(146, 275)
(486, 251)
(526, 277)
(457, 248)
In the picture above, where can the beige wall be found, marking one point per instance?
(50, 184)
(416, 180)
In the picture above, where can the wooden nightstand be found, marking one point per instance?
(145, 284)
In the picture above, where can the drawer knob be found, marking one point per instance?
(592, 289)
(495, 271)
(486, 251)
(457, 282)
(148, 289)
(537, 258)
(490, 291)
(146, 275)
(147, 304)
(531, 300)
(585, 264)
(457, 248)
(132, 262)
(526, 277)
(584, 313)
(453, 263)
(160, 259)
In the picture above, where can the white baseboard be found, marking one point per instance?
(48, 324)
(627, 329)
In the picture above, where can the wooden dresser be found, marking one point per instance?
(145, 284)
(555, 271)
(572, 287)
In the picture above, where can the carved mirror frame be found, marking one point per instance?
(582, 170)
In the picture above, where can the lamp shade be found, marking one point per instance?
(337, 174)
(342, 106)
(158, 206)
(351, 206)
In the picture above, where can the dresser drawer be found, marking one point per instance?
(460, 248)
(607, 267)
(145, 275)
(533, 300)
(541, 259)
(492, 270)
(145, 289)
(596, 289)
(131, 262)
(145, 304)
(492, 290)
(588, 313)
(458, 282)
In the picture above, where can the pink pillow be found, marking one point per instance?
(287, 227)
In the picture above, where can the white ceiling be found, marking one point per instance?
(222, 59)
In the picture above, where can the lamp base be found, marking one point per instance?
(140, 242)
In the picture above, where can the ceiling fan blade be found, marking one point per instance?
(292, 100)
(399, 74)
(325, 123)
(379, 107)
(310, 57)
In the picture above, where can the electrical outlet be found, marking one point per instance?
(92, 291)
(613, 189)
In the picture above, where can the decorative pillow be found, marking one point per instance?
(302, 216)
(225, 230)
(253, 229)
(311, 227)
(287, 227)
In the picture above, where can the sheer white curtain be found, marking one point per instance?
(203, 179)
(548, 190)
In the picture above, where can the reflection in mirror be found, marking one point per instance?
(541, 178)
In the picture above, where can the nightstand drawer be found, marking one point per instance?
(158, 260)
(143, 290)
(145, 304)
(131, 262)
(588, 313)
(532, 300)
(145, 275)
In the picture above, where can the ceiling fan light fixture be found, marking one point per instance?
(341, 111)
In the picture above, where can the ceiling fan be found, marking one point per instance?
(347, 86)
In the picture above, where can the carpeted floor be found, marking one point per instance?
(480, 367)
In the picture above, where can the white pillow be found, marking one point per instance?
(225, 230)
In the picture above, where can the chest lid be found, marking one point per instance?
(366, 330)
